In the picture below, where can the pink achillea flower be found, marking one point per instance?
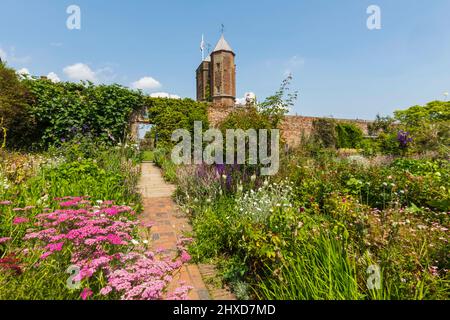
(114, 239)
(4, 239)
(90, 231)
(45, 255)
(105, 291)
(20, 220)
(55, 246)
(185, 257)
(180, 293)
(5, 203)
(86, 293)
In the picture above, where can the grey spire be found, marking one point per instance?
(222, 45)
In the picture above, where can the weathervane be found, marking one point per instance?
(222, 29)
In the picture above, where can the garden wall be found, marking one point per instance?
(292, 127)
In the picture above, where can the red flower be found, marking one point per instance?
(11, 263)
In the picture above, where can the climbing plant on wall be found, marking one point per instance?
(168, 115)
(65, 110)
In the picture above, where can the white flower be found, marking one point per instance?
(99, 201)
(253, 178)
(135, 242)
(266, 183)
(145, 241)
(224, 177)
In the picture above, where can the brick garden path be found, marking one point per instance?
(169, 225)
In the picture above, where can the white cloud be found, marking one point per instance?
(53, 77)
(80, 71)
(164, 95)
(146, 83)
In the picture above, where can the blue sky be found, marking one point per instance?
(340, 67)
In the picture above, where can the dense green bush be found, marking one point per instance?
(348, 135)
(324, 133)
(416, 130)
(65, 110)
(168, 115)
(16, 123)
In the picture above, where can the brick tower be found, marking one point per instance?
(216, 76)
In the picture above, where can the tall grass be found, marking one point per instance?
(321, 270)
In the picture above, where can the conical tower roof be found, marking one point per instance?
(222, 45)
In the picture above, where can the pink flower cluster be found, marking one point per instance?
(98, 238)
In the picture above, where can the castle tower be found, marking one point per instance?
(216, 76)
(223, 74)
(204, 80)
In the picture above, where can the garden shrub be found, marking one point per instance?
(66, 110)
(168, 115)
(16, 122)
(348, 135)
(324, 133)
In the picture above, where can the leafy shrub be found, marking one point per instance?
(168, 115)
(348, 135)
(324, 133)
(16, 122)
(66, 110)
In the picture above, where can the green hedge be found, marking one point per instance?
(168, 115)
(65, 110)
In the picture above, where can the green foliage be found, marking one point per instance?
(428, 126)
(315, 236)
(324, 132)
(435, 111)
(16, 124)
(320, 270)
(168, 115)
(276, 106)
(161, 157)
(66, 110)
(147, 155)
(348, 135)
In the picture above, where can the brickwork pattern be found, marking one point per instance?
(170, 224)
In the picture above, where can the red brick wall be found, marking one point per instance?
(292, 128)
